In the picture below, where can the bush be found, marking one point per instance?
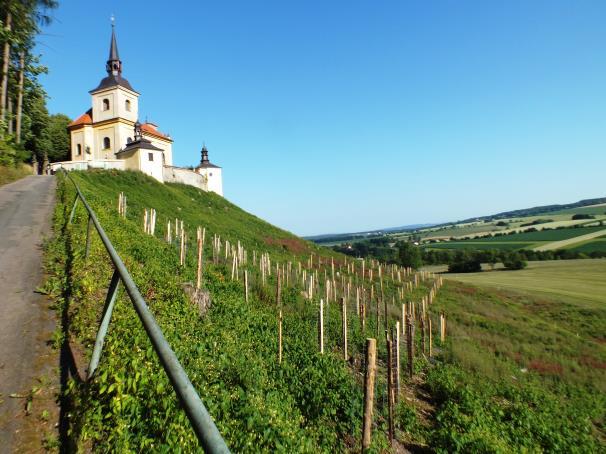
(514, 262)
(576, 217)
(465, 266)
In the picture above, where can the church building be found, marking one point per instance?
(109, 135)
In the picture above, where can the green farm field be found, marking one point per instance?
(475, 245)
(579, 282)
(598, 244)
(525, 240)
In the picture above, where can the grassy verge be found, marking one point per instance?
(518, 374)
(8, 174)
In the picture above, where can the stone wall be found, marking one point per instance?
(184, 176)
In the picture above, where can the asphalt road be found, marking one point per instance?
(26, 322)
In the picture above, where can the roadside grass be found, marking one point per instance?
(8, 174)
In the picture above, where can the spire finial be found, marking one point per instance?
(113, 20)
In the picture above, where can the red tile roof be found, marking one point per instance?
(85, 119)
(151, 129)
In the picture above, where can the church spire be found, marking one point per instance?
(114, 65)
(204, 155)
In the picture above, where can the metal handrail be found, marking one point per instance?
(201, 421)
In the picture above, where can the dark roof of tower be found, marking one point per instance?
(139, 144)
(112, 81)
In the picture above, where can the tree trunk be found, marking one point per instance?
(5, 59)
(20, 97)
(9, 116)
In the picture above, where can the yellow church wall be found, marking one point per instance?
(100, 134)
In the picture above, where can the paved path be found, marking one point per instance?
(563, 243)
(25, 318)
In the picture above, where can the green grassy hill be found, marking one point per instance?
(470, 397)
(309, 402)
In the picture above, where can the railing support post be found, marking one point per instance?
(88, 229)
(71, 215)
(112, 292)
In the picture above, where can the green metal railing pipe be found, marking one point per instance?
(201, 421)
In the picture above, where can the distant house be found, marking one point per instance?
(109, 135)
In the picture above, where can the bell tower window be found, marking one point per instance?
(106, 143)
(127, 105)
(106, 104)
(78, 150)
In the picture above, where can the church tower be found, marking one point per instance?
(115, 107)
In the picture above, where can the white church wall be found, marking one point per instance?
(215, 180)
(165, 145)
(184, 176)
(213, 177)
(150, 162)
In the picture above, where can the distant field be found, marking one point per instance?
(527, 240)
(478, 245)
(599, 245)
(592, 209)
(581, 282)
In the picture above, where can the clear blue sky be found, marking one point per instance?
(339, 116)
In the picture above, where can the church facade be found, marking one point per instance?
(109, 135)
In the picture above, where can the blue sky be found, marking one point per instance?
(338, 116)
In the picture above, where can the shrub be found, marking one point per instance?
(514, 262)
(582, 216)
(465, 266)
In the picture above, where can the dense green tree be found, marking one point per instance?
(59, 137)
(409, 255)
(24, 120)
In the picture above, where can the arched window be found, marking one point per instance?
(78, 150)
(127, 105)
(106, 104)
(106, 143)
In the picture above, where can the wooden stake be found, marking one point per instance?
(182, 250)
(321, 327)
(246, 285)
(390, 387)
(422, 322)
(369, 392)
(344, 324)
(410, 344)
(397, 341)
(430, 337)
(200, 252)
(280, 337)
